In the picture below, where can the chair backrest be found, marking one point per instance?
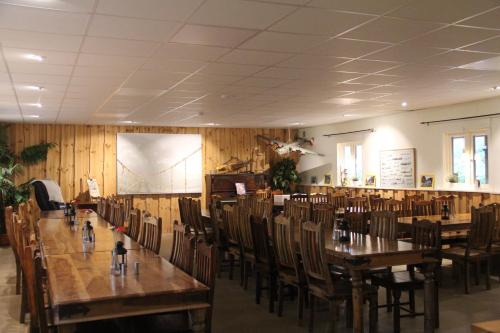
(150, 235)
(357, 204)
(323, 212)
(283, 236)
(263, 208)
(230, 223)
(377, 204)
(263, 194)
(215, 223)
(247, 201)
(440, 201)
(394, 205)
(287, 207)
(339, 200)
(40, 294)
(482, 227)
(357, 222)
(108, 209)
(302, 197)
(118, 215)
(182, 254)
(496, 211)
(204, 271)
(318, 198)
(427, 233)
(34, 212)
(409, 201)
(10, 227)
(245, 230)
(260, 236)
(196, 218)
(134, 224)
(300, 211)
(384, 224)
(423, 208)
(312, 249)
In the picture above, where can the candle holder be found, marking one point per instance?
(345, 234)
(88, 232)
(445, 213)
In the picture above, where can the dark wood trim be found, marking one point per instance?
(4, 240)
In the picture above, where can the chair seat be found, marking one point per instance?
(401, 280)
(343, 290)
(459, 252)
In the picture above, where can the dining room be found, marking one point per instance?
(249, 166)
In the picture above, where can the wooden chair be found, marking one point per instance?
(134, 224)
(11, 234)
(409, 201)
(318, 198)
(44, 317)
(357, 222)
(263, 194)
(323, 212)
(263, 208)
(127, 207)
(394, 205)
(118, 215)
(200, 229)
(371, 198)
(246, 243)
(377, 204)
(322, 284)
(300, 211)
(424, 233)
(384, 224)
(108, 209)
(247, 201)
(339, 201)
(357, 204)
(231, 235)
(265, 266)
(478, 247)
(150, 235)
(287, 207)
(290, 270)
(302, 197)
(440, 201)
(205, 273)
(182, 254)
(423, 208)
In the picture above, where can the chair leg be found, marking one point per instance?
(411, 294)
(373, 316)
(333, 305)
(242, 270)
(396, 311)
(436, 305)
(466, 276)
(388, 299)
(24, 303)
(18, 277)
(348, 313)
(246, 269)
(258, 286)
(281, 287)
(487, 272)
(231, 266)
(220, 259)
(300, 306)
(477, 272)
(312, 300)
(272, 291)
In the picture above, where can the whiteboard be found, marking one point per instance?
(397, 168)
(148, 163)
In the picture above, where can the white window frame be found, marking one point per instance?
(341, 159)
(469, 152)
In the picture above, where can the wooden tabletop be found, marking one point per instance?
(58, 237)
(462, 218)
(454, 228)
(486, 327)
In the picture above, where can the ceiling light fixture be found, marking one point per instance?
(128, 122)
(35, 88)
(404, 104)
(34, 57)
(350, 115)
(296, 124)
(32, 116)
(495, 88)
(211, 124)
(38, 105)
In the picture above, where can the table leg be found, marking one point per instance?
(197, 318)
(70, 328)
(429, 299)
(357, 300)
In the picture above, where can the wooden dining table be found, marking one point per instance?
(82, 287)
(456, 227)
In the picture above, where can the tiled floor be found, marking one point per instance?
(236, 311)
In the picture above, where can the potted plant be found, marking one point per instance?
(11, 164)
(355, 181)
(452, 179)
(284, 175)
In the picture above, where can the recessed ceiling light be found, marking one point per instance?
(38, 105)
(211, 124)
(32, 116)
(128, 122)
(404, 104)
(35, 88)
(35, 57)
(496, 88)
(296, 124)
(350, 115)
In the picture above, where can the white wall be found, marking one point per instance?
(403, 130)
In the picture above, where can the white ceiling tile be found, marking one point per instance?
(254, 57)
(40, 79)
(173, 65)
(131, 28)
(289, 2)
(84, 6)
(39, 41)
(261, 82)
(33, 68)
(487, 20)
(454, 37)
(391, 30)
(457, 58)
(490, 45)
(319, 22)
(98, 60)
(190, 52)
(239, 13)
(376, 79)
(109, 46)
(40, 20)
(215, 36)
(281, 42)
(349, 48)
(445, 11)
(360, 6)
(406, 52)
(144, 79)
(312, 61)
(231, 69)
(95, 71)
(51, 57)
(364, 66)
(152, 9)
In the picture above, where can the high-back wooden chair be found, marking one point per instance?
(357, 222)
(318, 198)
(265, 266)
(290, 271)
(426, 233)
(108, 208)
(182, 254)
(230, 215)
(10, 227)
(247, 201)
(204, 271)
(372, 197)
(377, 204)
(117, 215)
(394, 205)
(198, 225)
(409, 201)
(40, 294)
(423, 208)
(127, 207)
(300, 211)
(263, 208)
(302, 197)
(440, 201)
(384, 224)
(134, 224)
(287, 207)
(246, 242)
(150, 235)
(339, 200)
(263, 194)
(323, 212)
(357, 204)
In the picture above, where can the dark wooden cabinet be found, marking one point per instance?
(224, 185)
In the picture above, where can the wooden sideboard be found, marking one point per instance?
(224, 186)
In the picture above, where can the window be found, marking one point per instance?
(350, 160)
(468, 157)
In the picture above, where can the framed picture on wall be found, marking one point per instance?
(427, 181)
(328, 179)
(371, 180)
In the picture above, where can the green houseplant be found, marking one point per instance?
(284, 175)
(11, 164)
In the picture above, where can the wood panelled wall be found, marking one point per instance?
(90, 150)
(463, 202)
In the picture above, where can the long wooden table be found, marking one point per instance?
(82, 288)
(364, 252)
(456, 227)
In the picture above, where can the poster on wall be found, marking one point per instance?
(148, 163)
(397, 168)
